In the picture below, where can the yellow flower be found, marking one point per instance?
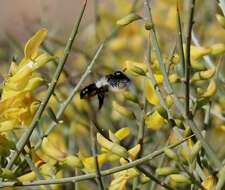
(155, 121)
(17, 103)
(89, 162)
(150, 93)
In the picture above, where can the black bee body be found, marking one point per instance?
(112, 82)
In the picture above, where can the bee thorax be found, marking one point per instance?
(101, 82)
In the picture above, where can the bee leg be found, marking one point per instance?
(100, 100)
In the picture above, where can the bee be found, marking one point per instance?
(113, 82)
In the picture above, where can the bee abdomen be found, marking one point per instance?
(89, 91)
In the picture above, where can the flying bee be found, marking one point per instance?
(112, 82)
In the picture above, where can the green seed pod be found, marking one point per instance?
(195, 150)
(112, 147)
(197, 65)
(138, 71)
(170, 154)
(165, 171)
(218, 49)
(128, 19)
(180, 178)
(185, 153)
(203, 75)
(73, 161)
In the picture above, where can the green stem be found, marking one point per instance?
(25, 137)
(91, 176)
(188, 58)
(180, 41)
(95, 155)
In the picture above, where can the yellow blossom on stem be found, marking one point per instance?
(17, 103)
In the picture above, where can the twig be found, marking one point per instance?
(94, 153)
(212, 156)
(180, 40)
(154, 178)
(91, 176)
(24, 139)
(188, 58)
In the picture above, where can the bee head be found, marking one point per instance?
(121, 77)
(118, 80)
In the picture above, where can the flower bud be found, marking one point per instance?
(203, 75)
(52, 151)
(112, 147)
(136, 68)
(34, 83)
(179, 178)
(197, 65)
(133, 152)
(211, 90)
(170, 154)
(122, 133)
(73, 161)
(218, 49)
(195, 150)
(166, 171)
(186, 154)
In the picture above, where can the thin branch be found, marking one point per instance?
(25, 138)
(180, 40)
(91, 176)
(94, 153)
(188, 57)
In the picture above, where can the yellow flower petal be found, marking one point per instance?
(150, 93)
(89, 164)
(209, 183)
(122, 133)
(34, 42)
(154, 121)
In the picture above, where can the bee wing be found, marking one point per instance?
(100, 100)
